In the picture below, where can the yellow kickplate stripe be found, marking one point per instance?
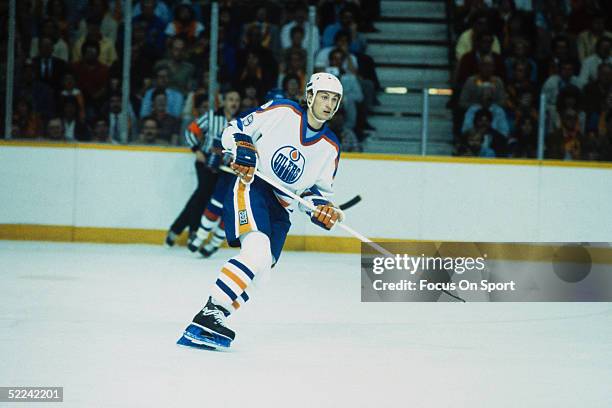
(495, 251)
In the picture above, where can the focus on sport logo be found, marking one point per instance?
(288, 164)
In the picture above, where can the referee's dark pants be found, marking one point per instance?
(192, 213)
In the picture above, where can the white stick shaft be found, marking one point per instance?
(312, 207)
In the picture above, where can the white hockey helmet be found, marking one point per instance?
(323, 81)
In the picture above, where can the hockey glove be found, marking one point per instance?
(326, 214)
(245, 161)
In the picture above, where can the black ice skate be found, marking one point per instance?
(208, 330)
(170, 239)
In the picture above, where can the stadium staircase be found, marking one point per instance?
(411, 51)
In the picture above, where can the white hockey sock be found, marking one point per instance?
(231, 284)
(218, 236)
(230, 288)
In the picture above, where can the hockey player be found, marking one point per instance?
(212, 223)
(292, 145)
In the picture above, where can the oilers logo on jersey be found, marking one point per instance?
(288, 164)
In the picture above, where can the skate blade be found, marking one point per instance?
(199, 335)
(184, 341)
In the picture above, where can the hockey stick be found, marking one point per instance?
(344, 206)
(342, 225)
(350, 203)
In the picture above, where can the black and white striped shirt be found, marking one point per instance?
(202, 132)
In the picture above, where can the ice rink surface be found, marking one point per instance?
(102, 321)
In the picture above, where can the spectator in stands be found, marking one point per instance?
(200, 105)
(300, 19)
(184, 24)
(180, 72)
(265, 60)
(253, 74)
(249, 92)
(518, 85)
(596, 119)
(92, 78)
(270, 37)
(149, 133)
(107, 54)
(560, 48)
(74, 128)
(519, 53)
(598, 144)
(229, 20)
(348, 139)
(69, 88)
(296, 67)
(291, 87)
(55, 129)
(49, 29)
(348, 23)
(571, 98)
(247, 103)
(113, 111)
(27, 124)
(228, 64)
(567, 141)
(465, 12)
(41, 95)
(587, 40)
(482, 140)
(468, 64)
(56, 12)
(511, 23)
(465, 43)
(551, 23)
(297, 36)
(154, 25)
(100, 131)
(50, 69)
(556, 83)
(149, 8)
(100, 10)
(498, 120)
(342, 41)
(352, 92)
(590, 64)
(595, 92)
(174, 97)
(472, 90)
(524, 139)
(168, 125)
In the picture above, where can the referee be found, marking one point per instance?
(204, 136)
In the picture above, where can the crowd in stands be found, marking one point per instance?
(68, 64)
(507, 53)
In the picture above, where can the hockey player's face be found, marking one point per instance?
(324, 105)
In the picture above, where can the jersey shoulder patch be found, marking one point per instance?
(281, 103)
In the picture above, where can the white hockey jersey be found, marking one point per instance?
(287, 153)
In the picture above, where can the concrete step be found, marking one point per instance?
(374, 145)
(409, 128)
(411, 102)
(409, 54)
(392, 30)
(428, 9)
(413, 77)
